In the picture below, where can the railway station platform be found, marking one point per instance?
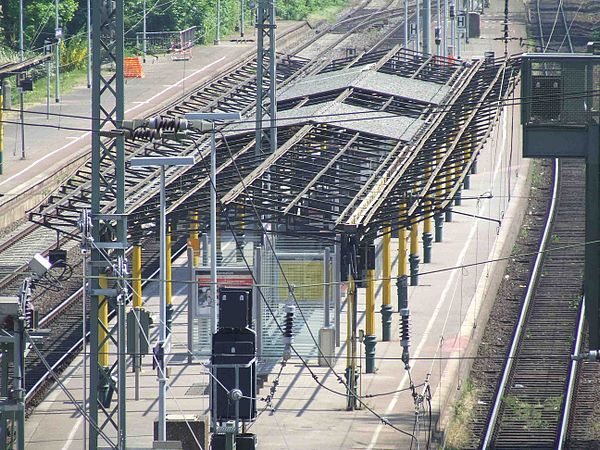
(57, 144)
(447, 308)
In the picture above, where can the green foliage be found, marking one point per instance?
(73, 54)
(38, 20)
(300, 9)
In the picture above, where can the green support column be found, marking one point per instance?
(427, 235)
(448, 212)
(370, 338)
(402, 261)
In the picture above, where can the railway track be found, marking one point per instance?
(529, 403)
(233, 90)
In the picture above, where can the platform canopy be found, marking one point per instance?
(358, 139)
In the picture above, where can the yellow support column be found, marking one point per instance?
(169, 278)
(195, 240)
(103, 323)
(386, 303)
(136, 269)
(413, 258)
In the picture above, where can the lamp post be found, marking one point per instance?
(162, 162)
(211, 118)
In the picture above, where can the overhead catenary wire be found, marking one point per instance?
(432, 109)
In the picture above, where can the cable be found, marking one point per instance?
(443, 269)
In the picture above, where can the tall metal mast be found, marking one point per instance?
(109, 231)
(266, 78)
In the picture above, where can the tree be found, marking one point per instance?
(38, 19)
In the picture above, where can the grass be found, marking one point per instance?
(68, 82)
(329, 13)
(458, 430)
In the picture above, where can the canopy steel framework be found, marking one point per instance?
(325, 177)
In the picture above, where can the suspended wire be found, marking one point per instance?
(348, 116)
(429, 272)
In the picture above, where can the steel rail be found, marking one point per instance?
(572, 384)
(535, 274)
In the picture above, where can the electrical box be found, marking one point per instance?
(235, 308)
(233, 363)
(474, 25)
(58, 257)
(560, 103)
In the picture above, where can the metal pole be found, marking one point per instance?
(21, 95)
(438, 11)
(21, 43)
(445, 30)
(452, 50)
(327, 287)
(468, 8)
(190, 305)
(213, 230)
(89, 43)
(122, 358)
(337, 268)
(162, 385)
(417, 25)
(84, 332)
(426, 26)
(48, 73)
(218, 27)
(144, 35)
(242, 18)
(257, 297)
(405, 24)
(57, 94)
(18, 382)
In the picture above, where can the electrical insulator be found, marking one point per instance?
(143, 134)
(168, 124)
(30, 315)
(438, 40)
(452, 11)
(405, 334)
(288, 333)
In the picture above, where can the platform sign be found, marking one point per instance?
(229, 277)
(413, 29)
(461, 21)
(201, 306)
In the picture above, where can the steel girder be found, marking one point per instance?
(234, 91)
(109, 231)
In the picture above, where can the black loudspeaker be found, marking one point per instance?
(235, 308)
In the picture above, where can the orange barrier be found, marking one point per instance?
(133, 68)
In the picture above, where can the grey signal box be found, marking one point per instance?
(559, 110)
